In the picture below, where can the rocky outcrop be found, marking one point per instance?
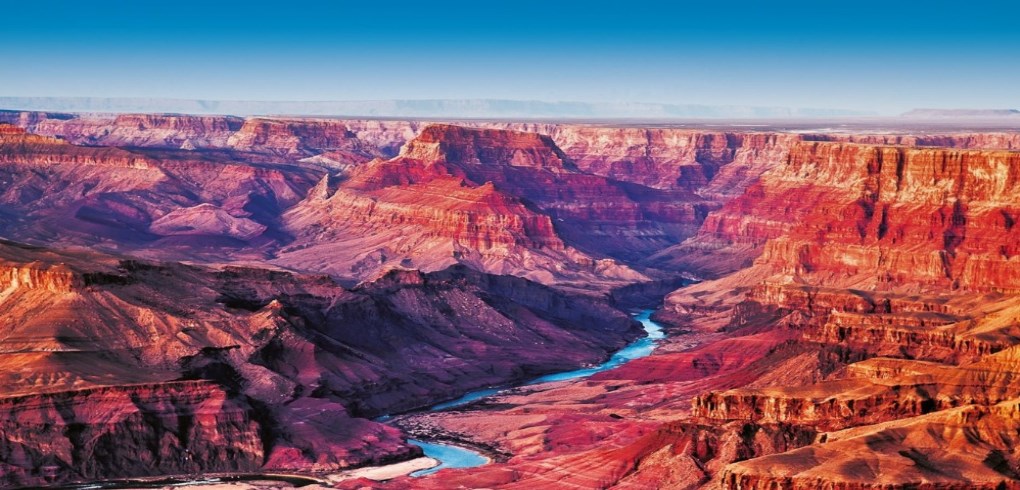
(19, 147)
(138, 430)
(968, 447)
(919, 216)
(901, 260)
(861, 301)
(190, 369)
(53, 278)
(459, 195)
(206, 219)
(168, 131)
(301, 138)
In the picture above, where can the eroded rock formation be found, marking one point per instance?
(857, 328)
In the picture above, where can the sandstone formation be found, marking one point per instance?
(901, 258)
(188, 294)
(250, 370)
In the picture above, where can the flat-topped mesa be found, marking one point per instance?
(299, 137)
(477, 217)
(470, 146)
(136, 130)
(713, 163)
(896, 174)
(19, 147)
(281, 138)
(57, 278)
(973, 141)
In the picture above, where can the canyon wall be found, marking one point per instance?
(259, 287)
(903, 259)
(190, 369)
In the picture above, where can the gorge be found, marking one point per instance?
(220, 295)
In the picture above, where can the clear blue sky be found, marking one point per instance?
(884, 56)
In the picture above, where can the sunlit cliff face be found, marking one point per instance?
(255, 290)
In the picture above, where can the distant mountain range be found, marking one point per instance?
(967, 113)
(449, 108)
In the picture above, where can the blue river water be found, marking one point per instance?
(636, 350)
(451, 456)
(639, 348)
(448, 455)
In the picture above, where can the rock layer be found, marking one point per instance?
(857, 331)
(192, 369)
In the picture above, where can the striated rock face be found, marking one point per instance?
(296, 138)
(839, 355)
(190, 369)
(175, 427)
(713, 163)
(929, 452)
(19, 147)
(901, 259)
(467, 146)
(897, 213)
(928, 217)
(598, 217)
(858, 329)
(499, 200)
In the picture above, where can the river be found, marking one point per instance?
(454, 456)
(448, 455)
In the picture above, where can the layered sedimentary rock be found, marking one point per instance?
(55, 192)
(939, 450)
(815, 368)
(858, 331)
(891, 210)
(104, 348)
(902, 258)
(597, 211)
(973, 141)
(173, 427)
(499, 200)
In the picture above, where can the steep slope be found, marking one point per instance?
(481, 197)
(155, 202)
(191, 369)
(901, 258)
(810, 368)
(858, 331)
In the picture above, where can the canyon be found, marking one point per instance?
(185, 295)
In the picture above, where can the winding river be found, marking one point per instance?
(454, 456)
(448, 455)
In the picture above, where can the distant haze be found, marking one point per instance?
(416, 108)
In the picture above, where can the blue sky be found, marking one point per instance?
(880, 56)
